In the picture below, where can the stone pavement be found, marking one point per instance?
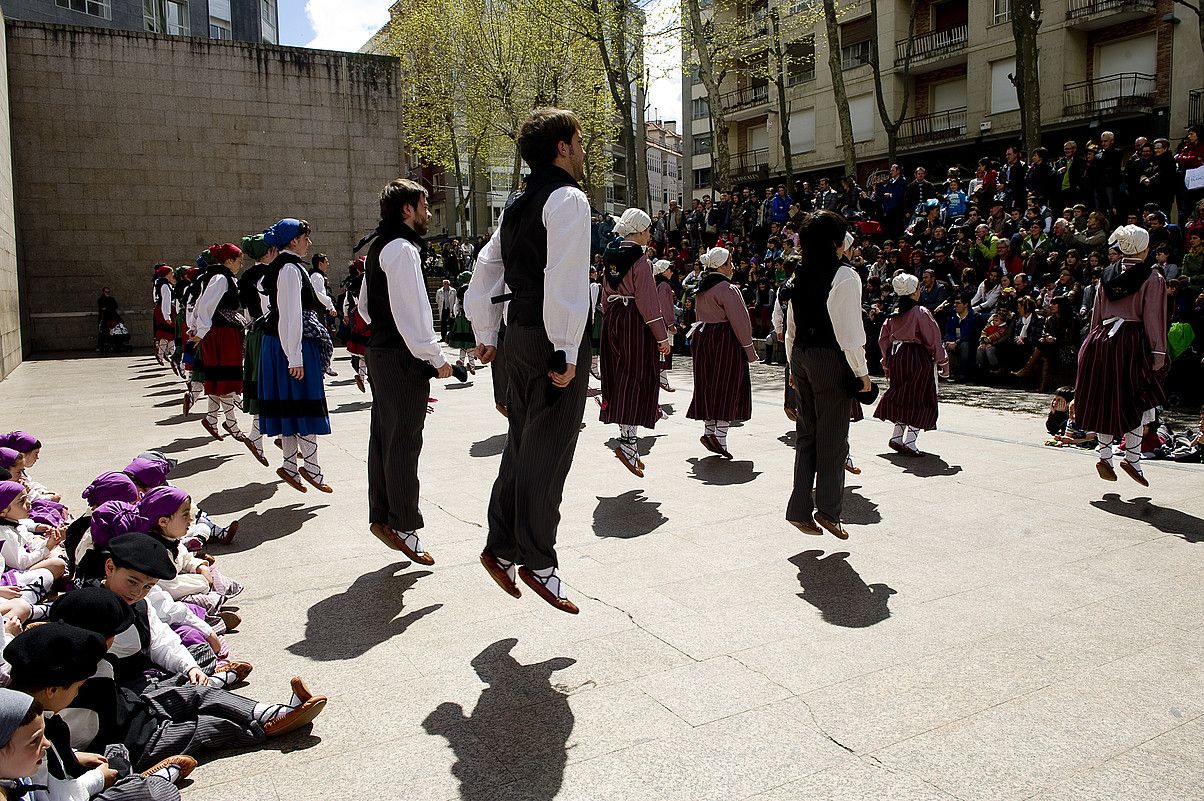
(1001, 625)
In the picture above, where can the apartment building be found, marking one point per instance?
(1131, 66)
(664, 164)
(254, 21)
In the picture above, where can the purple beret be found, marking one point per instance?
(20, 441)
(49, 512)
(111, 486)
(148, 472)
(9, 490)
(161, 502)
(112, 518)
(8, 457)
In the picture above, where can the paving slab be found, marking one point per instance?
(1000, 625)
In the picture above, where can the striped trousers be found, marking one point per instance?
(399, 392)
(823, 433)
(524, 508)
(192, 719)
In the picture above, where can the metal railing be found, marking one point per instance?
(1079, 9)
(1195, 107)
(932, 44)
(1126, 91)
(854, 55)
(933, 127)
(797, 75)
(745, 98)
(750, 159)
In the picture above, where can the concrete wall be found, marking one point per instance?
(134, 148)
(10, 314)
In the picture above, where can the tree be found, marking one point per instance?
(892, 124)
(782, 61)
(1026, 21)
(838, 89)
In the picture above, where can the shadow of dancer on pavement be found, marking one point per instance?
(833, 587)
(517, 734)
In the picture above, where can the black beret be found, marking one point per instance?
(143, 553)
(53, 655)
(95, 609)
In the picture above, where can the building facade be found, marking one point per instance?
(254, 21)
(1132, 66)
(664, 164)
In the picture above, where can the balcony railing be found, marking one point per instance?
(750, 160)
(1195, 107)
(1126, 91)
(1079, 10)
(932, 45)
(935, 127)
(797, 75)
(745, 98)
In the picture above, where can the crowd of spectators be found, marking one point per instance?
(1009, 258)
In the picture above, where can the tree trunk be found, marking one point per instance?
(1026, 20)
(460, 201)
(643, 198)
(891, 126)
(721, 158)
(779, 78)
(838, 90)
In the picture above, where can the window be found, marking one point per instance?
(616, 193)
(702, 178)
(166, 16)
(855, 39)
(1003, 91)
(800, 6)
(702, 145)
(1003, 11)
(861, 114)
(800, 61)
(95, 8)
(267, 21)
(695, 77)
(219, 29)
(700, 108)
(802, 131)
(620, 167)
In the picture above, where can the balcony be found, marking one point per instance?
(1124, 93)
(801, 74)
(936, 127)
(1195, 107)
(1088, 15)
(750, 165)
(932, 48)
(745, 103)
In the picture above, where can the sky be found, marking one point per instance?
(347, 24)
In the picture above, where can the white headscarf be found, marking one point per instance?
(632, 222)
(905, 284)
(661, 265)
(1132, 240)
(715, 258)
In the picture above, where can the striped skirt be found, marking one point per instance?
(288, 407)
(630, 368)
(250, 371)
(1116, 383)
(722, 387)
(221, 355)
(911, 398)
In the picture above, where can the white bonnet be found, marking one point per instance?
(904, 284)
(715, 258)
(633, 221)
(1131, 239)
(661, 265)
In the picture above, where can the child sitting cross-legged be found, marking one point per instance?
(168, 513)
(31, 562)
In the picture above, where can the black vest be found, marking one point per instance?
(384, 330)
(190, 293)
(309, 301)
(129, 671)
(229, 300)
(525, 244)
(248, 295)
(159, 282)
(809, 300)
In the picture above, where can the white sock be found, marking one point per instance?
(848, 460)
(212, 410)
(1133, 450)
(412, 541)
(721, 427)
(307, 444)
(909, 439)
(256, 436)
(265, 713)
(550, 579)
(510, 568)
(897, 436)
(171, 773)
(1105, 448)
(289, 446)
(223, 679)
(709, 427)
(627, 441)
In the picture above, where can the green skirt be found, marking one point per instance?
(461, 335)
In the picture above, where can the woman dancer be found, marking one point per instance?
(195, 378)
(165, 327)
(911, 343)
(359, 332)
(250, 293)
(668, 304)
(461, 335)
(634, 337)
(722, 350)
(218, 325)
(292, 399)
(1118, 384)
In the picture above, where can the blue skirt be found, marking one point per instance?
(288, 407)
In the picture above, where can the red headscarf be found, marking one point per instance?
(225, 252)
(162, 271)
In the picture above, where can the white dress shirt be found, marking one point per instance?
(165, 300)
(401, 263)
(206, 305)
(291, 324)
(318, 281)
(844, 309)
(566, 295)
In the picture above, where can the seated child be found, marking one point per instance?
(150, 470)
(31, 561)
(993, 333)
(22, 742)
(29, 447)
(50, 663)
(168, 513)
(181, 714)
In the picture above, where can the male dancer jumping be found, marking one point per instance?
(538, 259)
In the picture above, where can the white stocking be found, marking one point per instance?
(1133, 448)
(308, 446)
(256, 437)
(909, 439)
(228, 407)
(709, 427)
(288, 444)
(627, 441)
(211, 411)
(721, 427)
(1105, 447)
(897, 436)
